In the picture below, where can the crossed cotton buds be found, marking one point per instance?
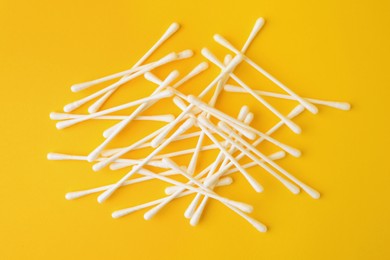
(232, 137)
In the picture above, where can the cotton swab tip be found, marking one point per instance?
(194, 100)
(278, 155)
(243, 112)
(207, 53)
(170, 57)
(116, 214)
(70, 107)
(179, 103)
(72, 195)
(173, 28)
(98, 166)
(259, 23)
(104, 196)
(313, 193)
(57, 116)
(166, 93)
(202, 66)
(80, 86)
(218, 38)
(151, 77)
(242, 206)
(185, 54)
(54, 156)
(187, 124)
(173, 75)
(293, 151)
(260, 227)
(341, 105)
(64, 124)
(123, 212)
(294, 127)
(228, 58)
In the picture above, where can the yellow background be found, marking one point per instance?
(336, 50)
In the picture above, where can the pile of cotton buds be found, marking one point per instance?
(239, 139)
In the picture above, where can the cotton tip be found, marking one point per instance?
(152, 78)
(118, 214)
(249, 118)
(247, 133)
(171, 189)
(293, 151)
(340, 105)
(153, 211)
(55, 156)
(165, 94)
(110, 152)
(149, 214)
(218, 38)
(202, 119)
(122, 212)
(228, 58)
(291, 187)
(309, 106)
(74, 195)
(259, 226)
(185, 54)
(255, 185)
(104, 196)
(81, 86)
(189, 212)
(296, 111)
(179, 103)
(58, 116)
(93, 155)
(119, 165)
(95, 106)
(294, 127)
(76, 87)
(110, 130)
(187, 124)
(241, 206)
(173, 28)
(313, 193)
(225, 181)
(172, 76)
(194, 100)
(259, 24)
(207, 54)
(202, 66)
(64, 124)
(277, 156)
(243, 112)
(170, 57)
(100, 165)
(169, 163)
(70, 107)
(195, 219)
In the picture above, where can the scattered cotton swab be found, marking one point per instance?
(170, 31)
(334, 104)
(64, 116)
(294, 127)
(230, 136)
(70, 122)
